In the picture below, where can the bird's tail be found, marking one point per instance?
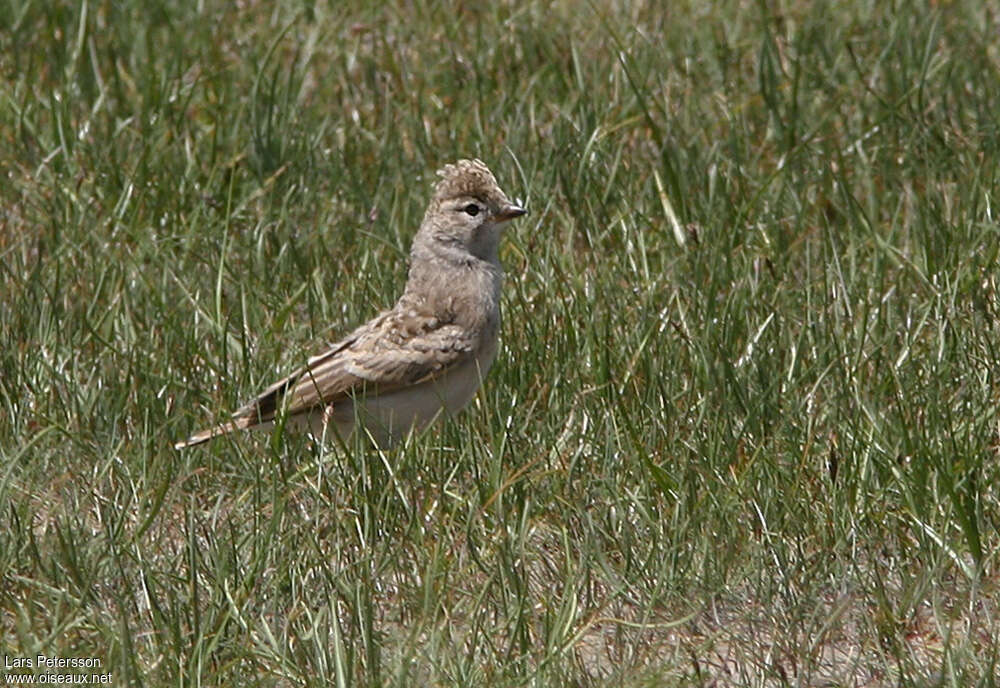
(203, 436)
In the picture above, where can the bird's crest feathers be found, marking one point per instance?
(467, 178)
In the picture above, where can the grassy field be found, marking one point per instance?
(743, 426)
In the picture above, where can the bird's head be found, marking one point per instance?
(467, 211)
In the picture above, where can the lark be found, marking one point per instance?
(423, 358)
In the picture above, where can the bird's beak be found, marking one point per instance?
(509, 212)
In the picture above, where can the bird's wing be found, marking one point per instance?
(397, 349)
(387, 354)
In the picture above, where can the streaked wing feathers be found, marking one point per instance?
(382, 356)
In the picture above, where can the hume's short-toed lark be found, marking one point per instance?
(426, 355)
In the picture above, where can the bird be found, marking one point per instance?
(425, 357)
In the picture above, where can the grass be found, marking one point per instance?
(743, 427)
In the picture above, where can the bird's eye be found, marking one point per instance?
(472, 209)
